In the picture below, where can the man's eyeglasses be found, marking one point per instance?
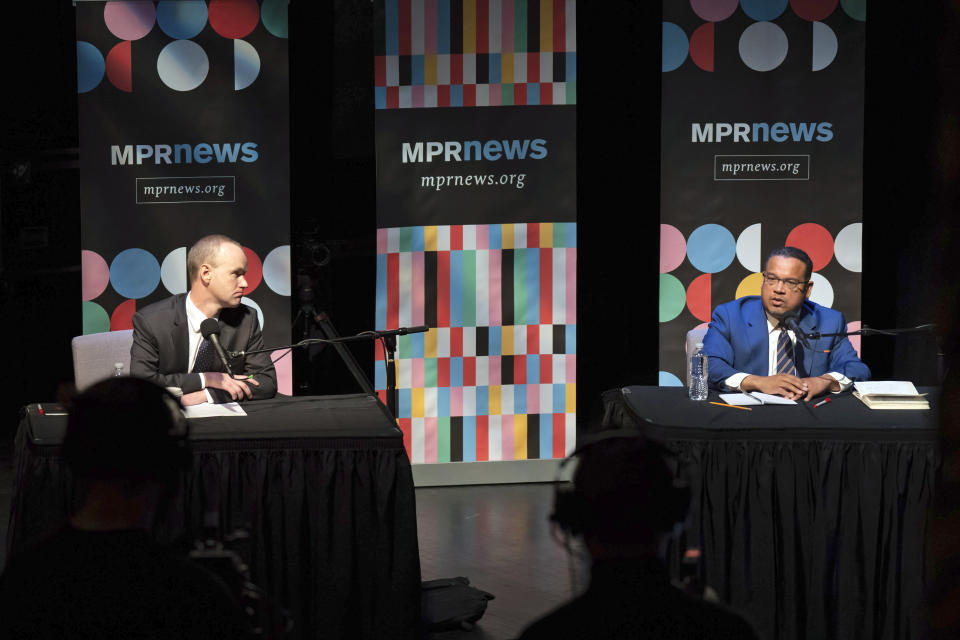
(790, 283)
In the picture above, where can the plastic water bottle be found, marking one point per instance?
(117, 369)
(698, 374)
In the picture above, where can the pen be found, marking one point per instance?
(824, 401)
(732, 406)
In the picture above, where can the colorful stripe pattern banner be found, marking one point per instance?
(466, 53)
(494, 378)
(476, 209)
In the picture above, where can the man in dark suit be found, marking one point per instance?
(751, 348)
(169, 349)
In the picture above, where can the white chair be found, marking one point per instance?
(693, 337)
(96, 354)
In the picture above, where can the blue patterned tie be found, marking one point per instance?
(205, 358)
(785, 353)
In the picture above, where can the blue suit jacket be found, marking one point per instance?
(738, 342)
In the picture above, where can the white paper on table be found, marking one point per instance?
(209, 410)
(885, 388)
(766, 398)
(754, 397)
(739, 399)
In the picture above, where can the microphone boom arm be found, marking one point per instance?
(870, 331)
(388, 338)
(364, 335)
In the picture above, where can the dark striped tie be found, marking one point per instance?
(785, 353)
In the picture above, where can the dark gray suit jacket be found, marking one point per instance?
(161, 342)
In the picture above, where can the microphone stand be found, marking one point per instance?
(870, 331)
(389, 340)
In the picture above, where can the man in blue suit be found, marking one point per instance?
(751, 348)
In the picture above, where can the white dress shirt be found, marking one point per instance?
(734, 381)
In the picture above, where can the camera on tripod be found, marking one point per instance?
(267, 618)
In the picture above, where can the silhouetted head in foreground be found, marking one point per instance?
(126, 443)
(624, 497)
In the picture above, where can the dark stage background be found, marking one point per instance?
(911, 72)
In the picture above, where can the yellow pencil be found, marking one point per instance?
(732, 406)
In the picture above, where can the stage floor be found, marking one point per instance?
(499, 537)
(496, 535)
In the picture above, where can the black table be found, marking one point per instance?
(811, 521)
(323, 485)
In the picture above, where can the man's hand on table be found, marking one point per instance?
(819, 386)
(790, 387)
(237, 386)
(782, 384)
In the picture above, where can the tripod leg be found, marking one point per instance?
(330, 332)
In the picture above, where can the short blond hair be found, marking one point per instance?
(204, 251)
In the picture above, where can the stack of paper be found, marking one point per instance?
(890, 394)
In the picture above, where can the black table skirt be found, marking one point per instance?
(811, 524)
(328, 500)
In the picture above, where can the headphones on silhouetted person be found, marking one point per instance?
(622, 484)
(126, 428)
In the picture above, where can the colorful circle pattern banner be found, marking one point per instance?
(184, 132)
(761, 147)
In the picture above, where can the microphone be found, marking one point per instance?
(210, 329)
(402, 331)
(790, 322)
